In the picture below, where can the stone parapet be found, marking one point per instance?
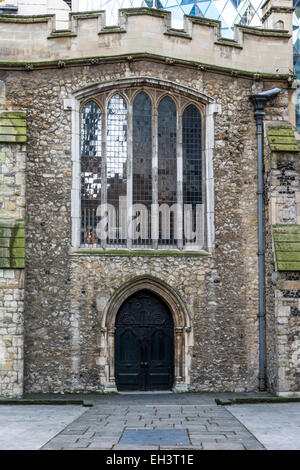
(26, 40)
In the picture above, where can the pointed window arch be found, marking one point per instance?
(141, 171)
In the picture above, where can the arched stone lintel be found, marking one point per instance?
(163, 290)
(140, 81)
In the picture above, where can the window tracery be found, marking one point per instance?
(141, 171)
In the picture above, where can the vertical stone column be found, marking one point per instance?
(110, 386)
(12, 250)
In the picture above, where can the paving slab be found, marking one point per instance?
(208, 425)
(155, 437)
(162, 422)
(28, 427)
(276, 425)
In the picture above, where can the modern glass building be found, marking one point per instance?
(228, 12)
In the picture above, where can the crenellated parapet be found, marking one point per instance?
(30, 41)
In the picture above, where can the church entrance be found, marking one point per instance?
(144, 344)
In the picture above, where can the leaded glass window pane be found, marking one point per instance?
(116, 167)
(192, 163)
(142, 169)
(91, 163)
(156, 192)
(167, 170)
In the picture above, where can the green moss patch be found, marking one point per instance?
(287, 247)
(12, 243)
(13, 127)
(282, 139)
(26, 401)
(244, 401)
(96, 252)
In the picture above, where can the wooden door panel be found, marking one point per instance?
(144, 344)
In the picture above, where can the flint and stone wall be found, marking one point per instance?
(67, 291)
(63, 349)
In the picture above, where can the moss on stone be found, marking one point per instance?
(95, 252)
(144, 11)
(25, 19)
(12, 243)
(287, 247)
(16, 122)
(13, 127)
(282, 139)
(61, 34)
(240, 401)
(144, 56)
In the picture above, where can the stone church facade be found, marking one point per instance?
(153, 115)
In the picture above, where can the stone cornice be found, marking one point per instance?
(96, 60)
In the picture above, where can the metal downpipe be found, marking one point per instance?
(259, 101)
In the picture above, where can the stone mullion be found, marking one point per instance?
(154, 208)
(211, 110)
(104, 168)
(179, 159)
(76, 174)
(129, 177)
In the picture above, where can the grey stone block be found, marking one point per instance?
(222, 446)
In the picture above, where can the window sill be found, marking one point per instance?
(131, 253)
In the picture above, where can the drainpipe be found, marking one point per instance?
(259, 101)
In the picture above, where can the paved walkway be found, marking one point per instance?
(29, 427)
(153, 422)
(276, 426)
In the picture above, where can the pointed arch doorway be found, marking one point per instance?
(144, 344)
(182, 331)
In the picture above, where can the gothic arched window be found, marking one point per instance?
(141, 171)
